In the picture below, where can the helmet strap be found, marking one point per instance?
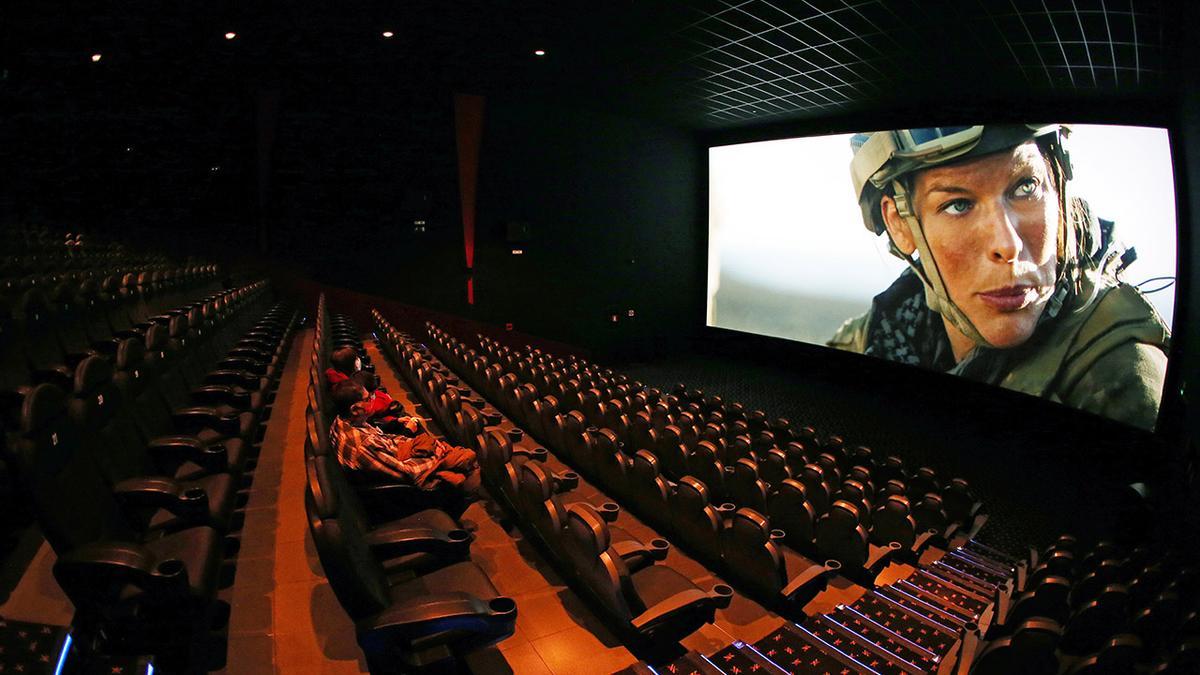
(937, 297)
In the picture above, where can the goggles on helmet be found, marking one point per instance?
(882, 156)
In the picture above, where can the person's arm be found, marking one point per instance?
(1125, 384)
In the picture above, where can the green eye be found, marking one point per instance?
(956, 207)
(1027, 187)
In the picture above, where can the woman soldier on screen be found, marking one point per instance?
(1011, 280)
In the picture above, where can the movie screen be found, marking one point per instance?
(1040, 258)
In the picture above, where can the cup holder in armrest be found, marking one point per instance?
(609, 511)
(895, 545)
(722, 595)
(458, 535)
(193, 494)
(501, 607)
(778, 536)
(833, 565)
(593, 430)
(568, 480)
(659, 548)
(493, 418)
(726, 510)
(540, 454)
(515, 436)
(171, 575)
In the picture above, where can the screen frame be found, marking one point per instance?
(1133, 111)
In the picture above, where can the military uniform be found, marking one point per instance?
(1104, 351)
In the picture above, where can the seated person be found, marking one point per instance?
(384, 411)
(344, 362)
(423, 460)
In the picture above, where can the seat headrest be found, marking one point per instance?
(42, 405)
(535, 481)
(693, 493)
(156, 337)
(750, 527)
(588, 530)
(92, 373)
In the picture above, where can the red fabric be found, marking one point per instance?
(468, 123)
(334, 376)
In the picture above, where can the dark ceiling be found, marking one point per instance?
(174, 108)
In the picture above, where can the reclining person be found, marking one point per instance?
(423, 460)
(384, 411)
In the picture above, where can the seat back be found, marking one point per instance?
(73, 505)
(789, 510)
(750, 550)
(356, 577)
(841, 536)
(695, 520)
(648, 490)
(745, 487)
(587, 545)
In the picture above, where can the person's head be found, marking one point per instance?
(349, 399)
(367, 380)
(983, 210)
(345, 360)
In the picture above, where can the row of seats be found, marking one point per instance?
(134, 471)
(1099, 609)
(400, 569)
(946, 628)
(739, 538)
(40, 251)
(647, 603)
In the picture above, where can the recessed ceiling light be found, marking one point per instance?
(96, 58)
(387, 34)
(539, 52)
(230, 35)
(215, 168)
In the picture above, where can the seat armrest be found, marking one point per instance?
(129, 334)
(879, 556)
(172, 449)
(392, 542)
(812, 580)
(162, 493)
(242, 363)
(217, 394)
(635, 554)
(234, 377)
(200, 417)
(256, 353)
(119, 564)
(682, 603)
(430, 615)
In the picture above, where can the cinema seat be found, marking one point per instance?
(414, 544)
(789, 510)
(146, 592)
(744, 486)
(151, 499)
(695, 520)
(752, 552)
(653, 602)
(404, 625)
(1029, 651)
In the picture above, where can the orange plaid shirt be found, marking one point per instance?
(366, 448)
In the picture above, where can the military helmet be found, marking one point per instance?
(882, 157)
(883, 160)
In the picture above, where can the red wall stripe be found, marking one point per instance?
(468, 123)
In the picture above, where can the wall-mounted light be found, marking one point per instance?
(518, 251)
(96, 58)
(230, 35)
(539, 52)
(387, 35)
